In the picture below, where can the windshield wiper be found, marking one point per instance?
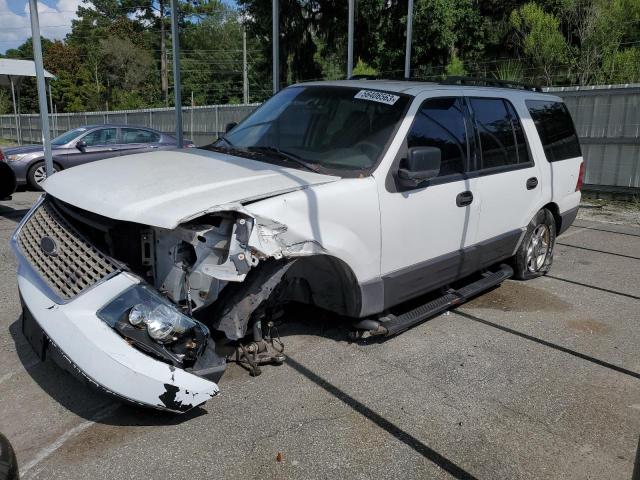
(291, 157)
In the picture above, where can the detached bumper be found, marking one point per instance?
(99, 354)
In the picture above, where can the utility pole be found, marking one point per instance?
(164, 80)
(407, 56)
(275, 39)
(42, 89)
(350, 38)
(177, 86)
(245, 72)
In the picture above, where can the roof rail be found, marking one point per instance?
(488, 82)
(457, 80)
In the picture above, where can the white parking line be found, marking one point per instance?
(60, 441)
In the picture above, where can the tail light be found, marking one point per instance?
(580, 177)
(1, 156)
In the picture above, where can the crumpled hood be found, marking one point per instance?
(166, 188)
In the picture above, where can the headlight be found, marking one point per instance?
(164, 323)
(143, 308)
(16, 157)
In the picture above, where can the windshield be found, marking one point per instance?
(68, 136)
(323, 127)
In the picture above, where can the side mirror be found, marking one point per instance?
(230, 126)
(422, 164)
(81, 145)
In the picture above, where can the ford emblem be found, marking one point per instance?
(49, 246)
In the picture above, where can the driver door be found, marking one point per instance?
(427, 230)
(100, 144)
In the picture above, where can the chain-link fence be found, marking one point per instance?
(200, 124)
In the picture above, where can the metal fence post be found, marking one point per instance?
(42, 89)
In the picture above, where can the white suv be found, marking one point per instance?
(145, 272)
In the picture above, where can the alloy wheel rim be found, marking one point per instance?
(40, 174)
(538, 248)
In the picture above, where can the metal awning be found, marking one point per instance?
(18, 68)
(11, 74)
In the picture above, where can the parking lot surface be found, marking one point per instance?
(537, 379)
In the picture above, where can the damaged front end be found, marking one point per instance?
(129, 307)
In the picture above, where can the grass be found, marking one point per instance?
(7, 143)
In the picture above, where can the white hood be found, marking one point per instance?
(166, 188)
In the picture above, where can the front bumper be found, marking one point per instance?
(103, 357)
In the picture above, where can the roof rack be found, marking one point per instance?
(488, 82)
(457, 80)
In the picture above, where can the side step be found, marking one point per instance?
(390, 324)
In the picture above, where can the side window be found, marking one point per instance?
(556, 130)
(136, 135)
(502, 140)
(104, 136)
(440, 123)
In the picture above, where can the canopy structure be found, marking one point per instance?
(12, 72)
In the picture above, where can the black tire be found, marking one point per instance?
(33, 174)
(535, 253)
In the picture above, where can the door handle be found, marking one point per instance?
(532, 183)
(465, 198)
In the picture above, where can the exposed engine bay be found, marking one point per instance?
(190, 266)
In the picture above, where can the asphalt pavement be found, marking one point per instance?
(537, 379)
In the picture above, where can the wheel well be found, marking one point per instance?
(553, 208)
(36, 162)
(326, 282)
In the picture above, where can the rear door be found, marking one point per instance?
(508, 181)
(137, 140)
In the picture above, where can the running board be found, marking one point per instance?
(390, 324)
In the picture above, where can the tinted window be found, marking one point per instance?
(337, 128)
(555, 127)
(440, 123)
(502, 140)
(136, 135)
(104, 136)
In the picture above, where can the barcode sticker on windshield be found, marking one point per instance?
(376, 96)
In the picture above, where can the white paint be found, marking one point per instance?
(103, 355)
(163, 188)
(60, 441)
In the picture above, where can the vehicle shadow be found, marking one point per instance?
(84, 400)
(12, 213)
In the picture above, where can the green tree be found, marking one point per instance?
(539, 39)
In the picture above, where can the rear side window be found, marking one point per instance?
(555, 128)
(134, 135)
(440, 123)
(501, 138)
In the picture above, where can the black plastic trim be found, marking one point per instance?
(423, 277)
(568, 218)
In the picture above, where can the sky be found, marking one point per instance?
(55, 20)
(15, 25)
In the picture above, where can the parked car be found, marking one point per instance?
(7, 179)
(353, 196)
(83, 145)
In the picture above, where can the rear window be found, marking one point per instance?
(555, 128)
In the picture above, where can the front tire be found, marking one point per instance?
(38, 174)
(535, 254)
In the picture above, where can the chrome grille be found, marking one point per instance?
(72, 264)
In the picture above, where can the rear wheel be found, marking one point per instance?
(535, 254)
(38, 174)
